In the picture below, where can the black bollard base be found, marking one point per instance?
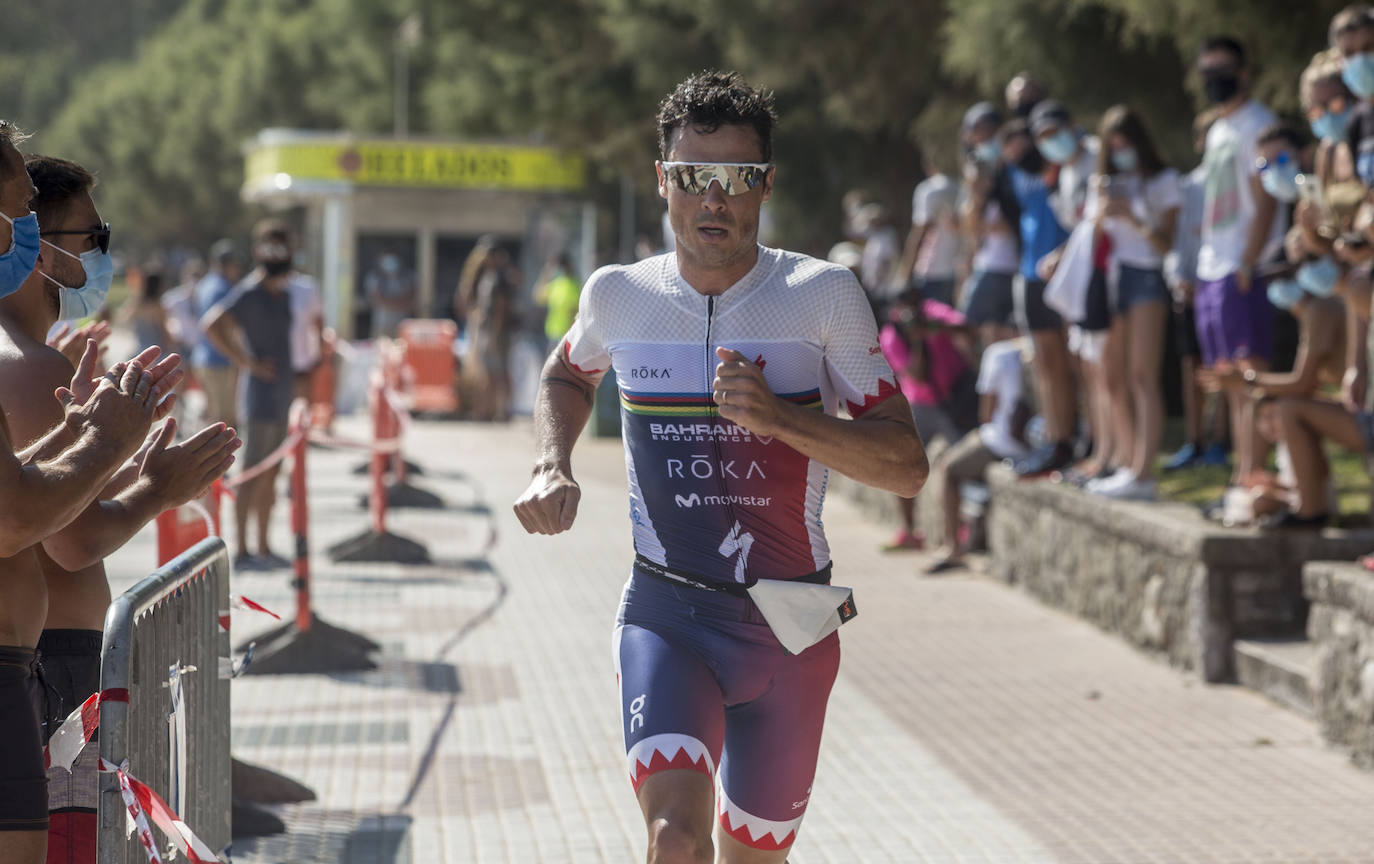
(264, 786)
(322, 648)
(364, 468)
(250, 820)
(371, 546)
(405, 495)
(281, 631)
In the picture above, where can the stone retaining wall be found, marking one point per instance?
(1157, 574)
(1341, 627)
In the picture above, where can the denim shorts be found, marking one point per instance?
(936, 289)
(1137, 286)
(987, 299)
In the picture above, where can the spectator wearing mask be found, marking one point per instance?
(930, 261)
(307, 328)
(252, 326)
(1329, 106)
(390, 290)
(1134, 202)
(1352, 34)
(1304, 417)
(1001, 436)
(881, 253)
(1180, 271)
(218, 377)
(1241, 228)
(1032, 180)
(925, 344)
(990, 219)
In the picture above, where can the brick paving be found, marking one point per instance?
(969, 723)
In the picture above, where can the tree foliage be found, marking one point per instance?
(160, 96)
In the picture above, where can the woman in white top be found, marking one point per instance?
(1134, 200)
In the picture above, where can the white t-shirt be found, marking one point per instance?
(933, 204)
(1229, 206)
(1150, 200)
(306, 310)
(997, 251)
(999, 374)
(1070, 200)
(881, 251)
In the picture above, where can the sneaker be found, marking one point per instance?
(243, 562)
(904, 540)
(1133, 489)
(1103, 485)
(1045, 459)
(1290, 521)
(273, 561)
(1184, 457)
(1216, 455)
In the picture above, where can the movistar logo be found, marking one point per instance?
(695, 500)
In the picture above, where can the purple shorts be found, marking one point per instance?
(704, 683)
(1232, 325)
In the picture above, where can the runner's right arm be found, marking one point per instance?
(561, 409)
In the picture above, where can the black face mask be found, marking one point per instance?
(276, 268)
(1220, 85)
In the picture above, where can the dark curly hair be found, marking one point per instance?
(711, 99)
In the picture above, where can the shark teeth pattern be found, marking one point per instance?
(755, 831)
(667, 751)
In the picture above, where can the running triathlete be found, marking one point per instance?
(732, 361)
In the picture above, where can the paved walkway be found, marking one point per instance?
(969, 723)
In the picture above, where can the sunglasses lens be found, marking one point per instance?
(733, 179)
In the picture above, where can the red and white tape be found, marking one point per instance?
(238, 601)
(75, 733)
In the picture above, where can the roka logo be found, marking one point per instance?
(690, 501)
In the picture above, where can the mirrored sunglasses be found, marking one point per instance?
(735, 178)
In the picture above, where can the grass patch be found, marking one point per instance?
(1202, 485)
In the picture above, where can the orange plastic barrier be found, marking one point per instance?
(431, 366)
(182, 527)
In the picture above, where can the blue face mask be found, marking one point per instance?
(1331, 127)
(17, 264)
(1284, 293)
(1125, 159)
(1280, 178)
(85, 301)
(1059, 147)
(988, 152)
(1358, 74)
(1319, 277)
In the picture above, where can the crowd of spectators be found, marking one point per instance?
(1028, 313)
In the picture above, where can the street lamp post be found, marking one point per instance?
(407, 38)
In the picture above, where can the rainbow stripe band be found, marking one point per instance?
(698, 404)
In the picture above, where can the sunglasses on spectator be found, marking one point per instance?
(101, 234)
(1334, 105)
(1280, 161)
(735, 178)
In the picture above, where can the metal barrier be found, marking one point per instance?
(168, 621)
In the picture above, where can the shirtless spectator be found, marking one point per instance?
(160, 476)
(97, 425)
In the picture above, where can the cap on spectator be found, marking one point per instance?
(983, 112)
(845, 254)
(1049, 115)
(223, 251)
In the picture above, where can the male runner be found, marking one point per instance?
(732, 361)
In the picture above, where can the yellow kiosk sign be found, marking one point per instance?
(416, 163)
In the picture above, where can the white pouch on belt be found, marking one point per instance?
(801, 614)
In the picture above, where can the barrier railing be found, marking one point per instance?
(167, 654)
